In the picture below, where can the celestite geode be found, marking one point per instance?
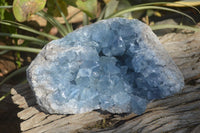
(116, 65)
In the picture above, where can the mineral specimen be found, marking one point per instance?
(116, 65)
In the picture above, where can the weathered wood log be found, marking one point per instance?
(179, 113)
(185, 51)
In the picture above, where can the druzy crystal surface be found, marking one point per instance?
(116, 65)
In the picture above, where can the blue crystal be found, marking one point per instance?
(116, 65)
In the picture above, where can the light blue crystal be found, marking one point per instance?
(116, 65)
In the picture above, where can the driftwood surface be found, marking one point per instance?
(179, 113)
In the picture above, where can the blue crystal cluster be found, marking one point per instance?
(116, 65)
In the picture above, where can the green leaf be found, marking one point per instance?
(85, 19)
(4, 96)
(168, 26)
(167, 4)
(19, 48)
(87, 6)
(69, 27)
(22, 9)
(53, 9)
(18, 59)
(3, 6)
(124, 4)
(4, 52)
(61, 29)
(24, 27)
(138, 8)
(34, 40)
(111, 7)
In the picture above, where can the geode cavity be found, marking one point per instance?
(116, 65)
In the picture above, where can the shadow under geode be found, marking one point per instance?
(9, 122)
